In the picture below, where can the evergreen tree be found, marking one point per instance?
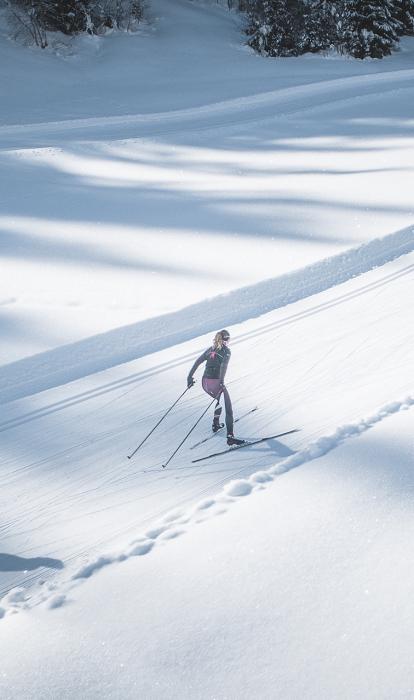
(404, 11)
(276, 27)
(370, 28)
(320, 26)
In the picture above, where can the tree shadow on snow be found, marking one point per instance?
(11, 562)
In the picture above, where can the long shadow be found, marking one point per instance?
(17, 244)
(121, 200)
(149, 205)
(11, 562)
(145, 206)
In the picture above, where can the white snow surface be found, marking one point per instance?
(155, 188)
(304, 589)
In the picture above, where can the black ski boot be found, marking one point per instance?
(216, 420)
(231, 440)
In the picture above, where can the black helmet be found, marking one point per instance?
(225, 334)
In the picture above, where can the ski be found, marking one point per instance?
(246, 444)
(201, 442)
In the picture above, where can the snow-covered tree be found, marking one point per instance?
(118, 14)
(404, 12)
(276, 27)
(371, 28)
(35, 18)
(320, 24)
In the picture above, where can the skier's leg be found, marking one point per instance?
(231, 440)
(216, 420)
(212, 388)
(229, 411)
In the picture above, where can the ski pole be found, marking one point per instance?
(160, 421)
(189, 433)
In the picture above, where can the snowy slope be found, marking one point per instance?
(68, 490)
(226, 153)
(141, 210)
(187, 55)
(303, 589)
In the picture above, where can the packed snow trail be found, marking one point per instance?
(229, 113)
(326, 361)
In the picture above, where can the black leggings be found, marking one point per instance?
(213, 388)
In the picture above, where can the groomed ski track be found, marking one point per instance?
(259, 108)
(94, 354)
(64, 465)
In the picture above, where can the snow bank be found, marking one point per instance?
(70, 362)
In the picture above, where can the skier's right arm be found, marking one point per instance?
(197, 363)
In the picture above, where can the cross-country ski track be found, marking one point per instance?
(258, 108)
(70, 495)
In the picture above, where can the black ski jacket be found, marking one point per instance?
(216, 363)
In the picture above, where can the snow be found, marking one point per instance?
(242, 161)
(325, 361)
(140, 211)
(299, 590)
(67, 363)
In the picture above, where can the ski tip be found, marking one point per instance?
(128, 456)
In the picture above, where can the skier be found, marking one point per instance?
(217, 359)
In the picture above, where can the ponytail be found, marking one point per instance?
(218, 341)
(219, 338)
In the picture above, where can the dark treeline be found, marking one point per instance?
(360, 28)
(36, 18)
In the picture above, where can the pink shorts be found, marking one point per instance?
(212, 387)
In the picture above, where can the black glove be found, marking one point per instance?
(190, 382)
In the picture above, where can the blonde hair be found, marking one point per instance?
(218, 339)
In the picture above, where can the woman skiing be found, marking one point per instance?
(217, 358)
